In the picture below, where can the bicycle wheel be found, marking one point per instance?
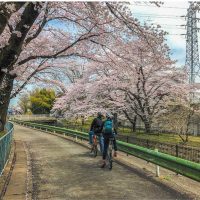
(110, 160)
(94, 148)
(110, 157)
(95, 151)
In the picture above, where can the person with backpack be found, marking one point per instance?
(108, 132)
(96, 128)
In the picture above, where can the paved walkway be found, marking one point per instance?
(64, 170)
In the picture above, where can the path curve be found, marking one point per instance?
(64, 170)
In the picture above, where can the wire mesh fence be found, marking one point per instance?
(5, 146)
(178, 150)
(185, 152)
(188, 153)
(32, 117)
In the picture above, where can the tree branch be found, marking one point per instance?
(9, 54)
(44, 21)
(5, 15)
(27, 80)
(81, 38)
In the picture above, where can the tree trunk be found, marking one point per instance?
(131, 119)
(82, 120)
(184, 138)
(134, 123)
(147, 124)
(10, 53)
(115, 121)
(6, 86)
(187, 138)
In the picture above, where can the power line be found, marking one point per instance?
(159, 7)
(152, 22)
(168, 26)
(174, 7)
(178, 34)
(159, 16)
(172, 27)
(155, 15)
(180, 17)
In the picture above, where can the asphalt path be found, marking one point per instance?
(63, 170)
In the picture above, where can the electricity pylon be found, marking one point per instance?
(192, 52)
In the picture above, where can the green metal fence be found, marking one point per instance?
(5, 146)
(178, 150)
(178, 165)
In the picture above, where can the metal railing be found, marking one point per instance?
(32, 117)
(178, 150)
(5, 146)
(127, 129)
(178, 165)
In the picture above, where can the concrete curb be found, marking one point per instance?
(5, 178)
(17, 187)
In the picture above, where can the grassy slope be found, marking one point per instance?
(2, 133)
(169, 138)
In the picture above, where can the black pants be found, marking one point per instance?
(106, 144)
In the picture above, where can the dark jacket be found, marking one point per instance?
(96, 125)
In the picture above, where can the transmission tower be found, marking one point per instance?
(192, 52)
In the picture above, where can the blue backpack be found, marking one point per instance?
(108, 127)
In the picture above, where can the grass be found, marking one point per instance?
(168, 178)
(161, 137)
(2, 133)
(169, 138)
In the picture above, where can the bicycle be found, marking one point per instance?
(94, 148)
(110, 153)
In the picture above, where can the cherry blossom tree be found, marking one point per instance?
(135, 80)
(40, 39)
(13, 33)
(182, 112)
(31, 39)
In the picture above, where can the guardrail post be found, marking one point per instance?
(76, 138)
(127, 140)
(176, 153)
(176, 150)
(157, 167)
(148, 148)
(147, 143)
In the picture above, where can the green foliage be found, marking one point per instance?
(2, 133)
(41, 101)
